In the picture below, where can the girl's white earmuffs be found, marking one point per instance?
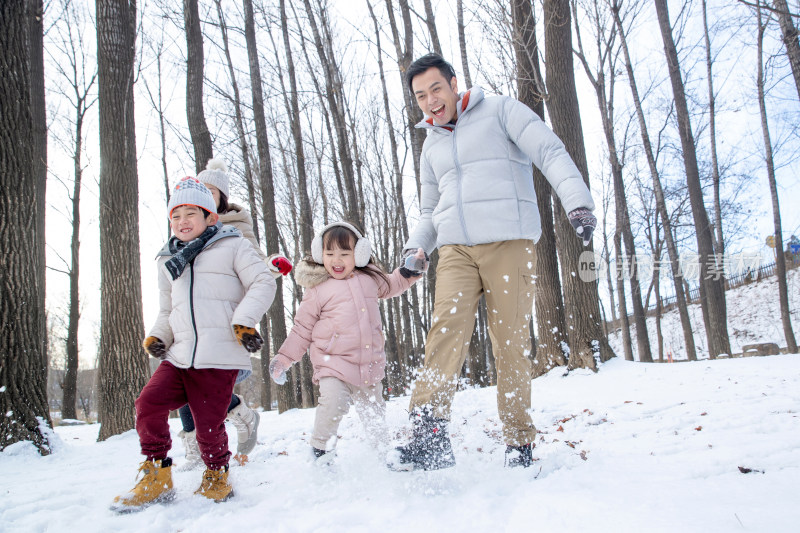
(361, 252)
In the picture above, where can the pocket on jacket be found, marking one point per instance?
(329, 348)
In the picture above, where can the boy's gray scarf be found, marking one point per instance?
(184, 253)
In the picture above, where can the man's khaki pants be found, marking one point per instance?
(503, 272)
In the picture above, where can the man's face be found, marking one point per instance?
(189, 222)
(436, 96)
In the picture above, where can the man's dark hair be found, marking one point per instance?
(424, 63)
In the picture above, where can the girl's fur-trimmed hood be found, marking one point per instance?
(309, 274)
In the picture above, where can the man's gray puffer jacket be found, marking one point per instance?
(477, 180)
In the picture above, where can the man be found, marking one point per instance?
(478, 206)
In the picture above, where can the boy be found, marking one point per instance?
(213, 288)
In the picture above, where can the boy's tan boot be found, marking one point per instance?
(215, 486)
(155, 486)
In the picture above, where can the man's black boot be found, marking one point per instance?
(429, 448)
(519, 455)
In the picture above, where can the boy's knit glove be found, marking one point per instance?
(277, 371)
(414, 263)
(584, 223)
(155, 347)
(279, 265)
(248, 337)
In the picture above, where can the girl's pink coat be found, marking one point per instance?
(341, 323)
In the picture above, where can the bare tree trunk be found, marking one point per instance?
(201, 138)
(587, 341)
(719, 247)
(780, 259)
(156, 101)
(23, 328)
(607, 256)
(39, 117)
(306, 216)
(336, 106)
(239, 122)
(672, 248)
(71, 374)
(659, 332)
(405, 56)
(462, 44)
(550, 320)
(250, 181)
(400, 209)
(627, 343)
(276, 314)
(306, 221)
(123, 364)
(431, 23)
(73, 72)
(789, 32)
(605, 102)
(713, 302)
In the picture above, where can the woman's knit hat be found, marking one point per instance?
(216, 174)
(189, 191)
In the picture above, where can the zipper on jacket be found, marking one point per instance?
(459, 188)
(191, 310)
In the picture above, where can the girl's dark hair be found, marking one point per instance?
(424, 63)
(223, 206)
(344, 239)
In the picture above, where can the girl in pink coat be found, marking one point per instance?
(340, 322)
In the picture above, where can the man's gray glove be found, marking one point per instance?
(414, 263)
(584, 223)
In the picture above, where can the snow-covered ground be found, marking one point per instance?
(753, 317)
(636, 447)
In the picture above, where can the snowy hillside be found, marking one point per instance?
(707, 446)
(753, 317)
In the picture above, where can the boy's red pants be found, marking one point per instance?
(208, 393)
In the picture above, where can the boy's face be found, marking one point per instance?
(436, 96)
(339, 263)
(189, 222)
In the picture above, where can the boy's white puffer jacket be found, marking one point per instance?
(477, 179)
(228, 283)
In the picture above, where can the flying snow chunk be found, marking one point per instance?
(453, 310)
(505, 277)
(443, 330)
